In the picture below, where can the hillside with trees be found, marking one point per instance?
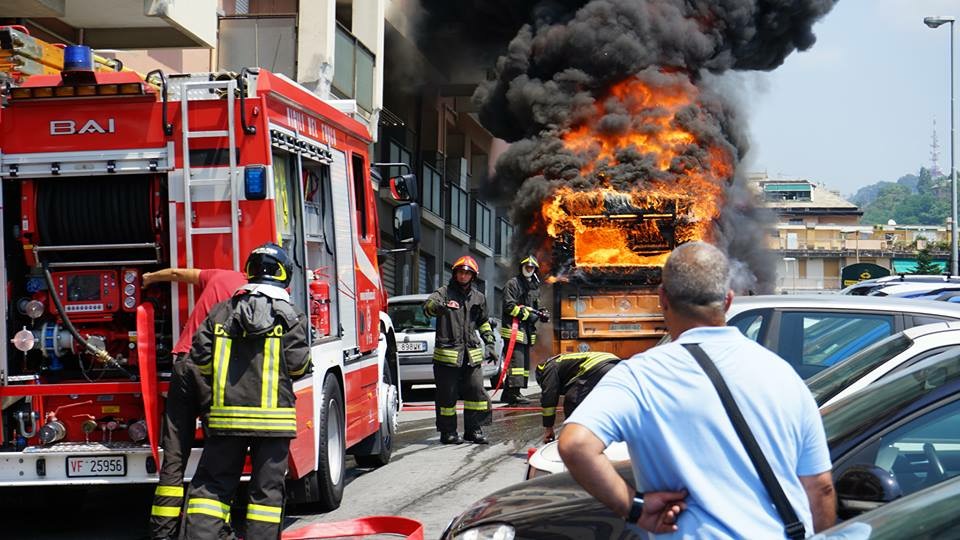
(924, 202)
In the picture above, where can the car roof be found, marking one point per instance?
(908, 288)
(842, 302)
(408, 298)
(928, 329)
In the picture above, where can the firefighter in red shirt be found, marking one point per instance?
(250, 348)
(189, 394)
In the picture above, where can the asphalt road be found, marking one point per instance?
(425, 481)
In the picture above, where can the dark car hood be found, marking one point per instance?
(552, 506)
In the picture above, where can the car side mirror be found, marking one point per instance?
(864, 487)
(406, 225)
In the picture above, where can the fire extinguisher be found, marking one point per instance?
(320, 304)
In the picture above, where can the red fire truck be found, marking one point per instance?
(108, 175)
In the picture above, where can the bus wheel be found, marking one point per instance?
(332, 455)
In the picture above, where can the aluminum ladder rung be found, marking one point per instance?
(210, 230)
(207, 134)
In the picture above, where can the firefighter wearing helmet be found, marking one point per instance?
(461, 312)
(250, 348)
(521, 311)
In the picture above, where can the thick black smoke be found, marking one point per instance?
(560, 66)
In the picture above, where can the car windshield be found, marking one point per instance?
(410, 316)
(833, 380)
(863, 409)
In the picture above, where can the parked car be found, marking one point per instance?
(415, 340)
(883, 359)
(867, 286)
(814, 332)
(929, 514)
(916, 290)
(899, 436)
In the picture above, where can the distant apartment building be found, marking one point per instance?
(818, 233)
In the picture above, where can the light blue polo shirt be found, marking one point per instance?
(679, 436)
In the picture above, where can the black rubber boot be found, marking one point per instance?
(476, 437)
(450, 437)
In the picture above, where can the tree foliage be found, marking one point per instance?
(929, 205)
(925, 264)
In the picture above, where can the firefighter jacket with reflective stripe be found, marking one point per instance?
(558, 374)
(250, 348)
(456, 342)
(519, 296)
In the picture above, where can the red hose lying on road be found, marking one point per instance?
(410, 528)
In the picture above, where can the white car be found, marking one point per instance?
(416, 333)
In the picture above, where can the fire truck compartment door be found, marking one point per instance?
(345, 240)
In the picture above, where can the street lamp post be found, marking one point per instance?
(935, 22)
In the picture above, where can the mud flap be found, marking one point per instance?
(147, 359)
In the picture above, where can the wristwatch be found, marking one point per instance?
(636, 508)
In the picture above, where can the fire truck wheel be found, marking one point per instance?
(332, 454)
(381, 442)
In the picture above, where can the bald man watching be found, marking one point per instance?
(679, 436)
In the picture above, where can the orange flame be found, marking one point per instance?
(684, 207)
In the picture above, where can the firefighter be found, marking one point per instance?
(188, 396)
(250, 348)
(461, 311)
(572, 374)
(521, 305)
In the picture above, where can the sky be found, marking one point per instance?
(858, 107)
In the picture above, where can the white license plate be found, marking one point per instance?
(96, 466)
(412, 346)
(619, 327)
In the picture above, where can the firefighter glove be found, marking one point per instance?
(544, 316)
(534, 317)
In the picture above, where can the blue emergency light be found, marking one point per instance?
(77, 58)
(78, 65)
(255, 182)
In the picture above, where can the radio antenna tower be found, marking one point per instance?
(935, 154)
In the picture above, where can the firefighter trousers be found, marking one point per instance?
(466, 383)
(188, 396)
(578, 392)
(519, 366)
(215, 484)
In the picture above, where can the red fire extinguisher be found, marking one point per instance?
(320, 304)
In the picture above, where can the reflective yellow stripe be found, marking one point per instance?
(263, 420)
(210, 507)
(446, 352)
(515, 311)
(485, 327)
(205, 369)
(475, 405)
(446, 356)
(448, 411)
(525, 314)
(251, 424)
(165, 511)
(592, 360)
(169, 491)
(259, 512)
(516, 371)
(301, 371)
(221, 361)
(256, 412)
(549, 411)
(270, 375)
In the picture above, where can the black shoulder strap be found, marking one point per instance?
(794, 527)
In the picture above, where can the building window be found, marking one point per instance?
(270, 43)
(396, 153)
(432, 189)
(788, 191)
(483, 221)
(353, 69)
(504, 237)
(459, 208)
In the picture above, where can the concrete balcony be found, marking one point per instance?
(124, 24)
